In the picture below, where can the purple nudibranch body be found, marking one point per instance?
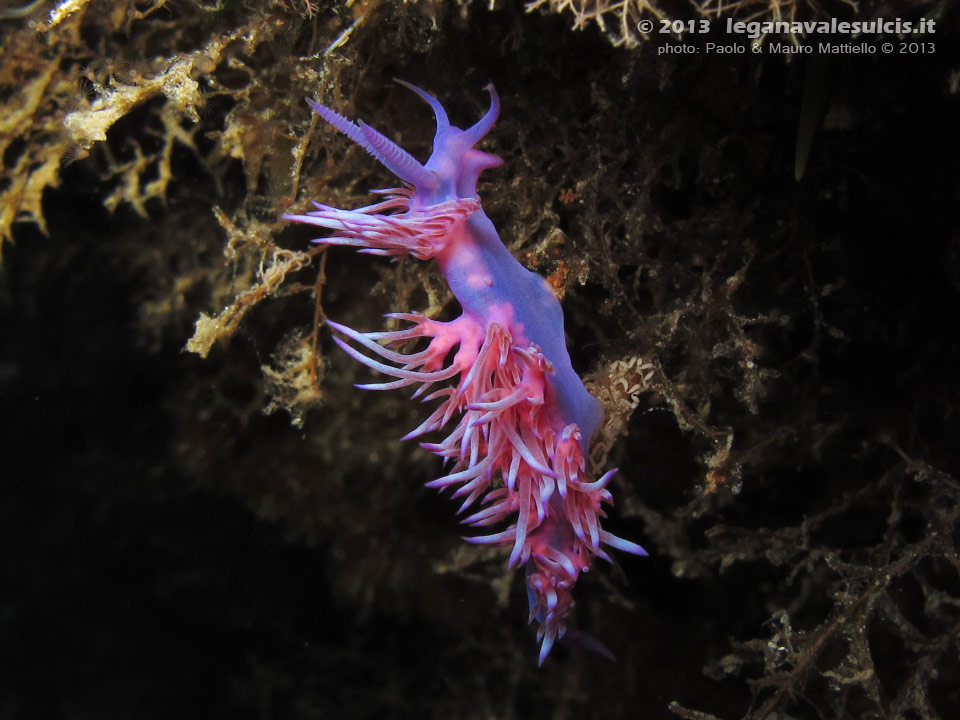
(524, 418)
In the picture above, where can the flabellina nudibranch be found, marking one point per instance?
(524, 419)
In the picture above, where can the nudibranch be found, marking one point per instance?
(524, 419)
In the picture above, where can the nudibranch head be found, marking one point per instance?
(455, 163)
(454, 166)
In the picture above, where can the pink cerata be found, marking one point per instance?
(522, 418)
